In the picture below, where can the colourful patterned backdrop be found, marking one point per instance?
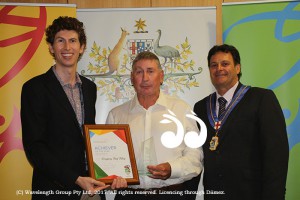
(268, 38)
(24, 54)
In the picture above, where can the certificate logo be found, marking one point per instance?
(127, 169)
(192, 139)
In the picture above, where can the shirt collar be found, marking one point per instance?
(136, 106)
(78, 80)
(229, 94)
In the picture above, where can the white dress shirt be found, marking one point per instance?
(228, 96)
(185, 162)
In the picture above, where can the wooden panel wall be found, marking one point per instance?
(142, 4)
(111, 3)
(36, 1)
(129, 3)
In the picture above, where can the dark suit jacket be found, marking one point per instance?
(52, 138)
(251, 161)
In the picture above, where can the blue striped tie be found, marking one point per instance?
(222, 104)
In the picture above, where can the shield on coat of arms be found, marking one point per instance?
(135, 46)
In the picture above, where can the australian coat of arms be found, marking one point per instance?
(110, 68)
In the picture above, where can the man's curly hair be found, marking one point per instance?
(66, 23)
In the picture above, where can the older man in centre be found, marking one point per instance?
(162, 171)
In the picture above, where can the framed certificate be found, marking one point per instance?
(110, 152)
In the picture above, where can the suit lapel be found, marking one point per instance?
(228, 123)
(59, 94)
(85, 95)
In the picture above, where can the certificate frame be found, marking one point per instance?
(100, 151)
